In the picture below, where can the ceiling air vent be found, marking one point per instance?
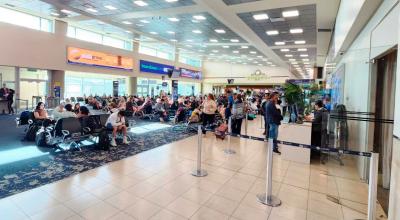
(324, 30)
(278, 19)
(10, 5)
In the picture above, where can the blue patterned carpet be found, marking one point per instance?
(43, 167)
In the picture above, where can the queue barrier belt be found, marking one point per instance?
(313, 147)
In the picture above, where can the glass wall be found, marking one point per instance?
(152, 87)
(188, 88)
(190, 60)
(157, 49)
(34, 86)
(78, 84)
(25, 20)
(98, 38)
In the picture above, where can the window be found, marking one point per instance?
(94, 37)
(157, 50)
(189, 60)
(25, 20)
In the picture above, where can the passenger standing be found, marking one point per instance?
(264, 112)
(209, 108)
(10, 99)
(274, 119)
(238, 110)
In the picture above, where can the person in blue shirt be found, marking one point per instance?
(274, 118)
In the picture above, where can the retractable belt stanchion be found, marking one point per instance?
(261, 121)
(373, 184)
(199, 172)
(245, 124)
(267, 198)
(229, 150)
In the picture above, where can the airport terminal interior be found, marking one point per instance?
(199, 109)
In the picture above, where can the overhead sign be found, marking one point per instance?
(300, 81)
(190, 73)
(158, 68)
(98, 59)
(257, 76)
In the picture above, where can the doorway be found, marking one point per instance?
(384, 109)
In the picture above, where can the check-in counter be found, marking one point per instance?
(298, 133)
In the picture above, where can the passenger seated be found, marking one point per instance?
(122, 104)
(181, 112)
(160, 110)
(112, 108)
(58, 111)
(116, 121)
(83, 112)
(76, 108)
(195, 116)
(40, 112)
(68, 113)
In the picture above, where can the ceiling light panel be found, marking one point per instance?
(272, 32)
(259, 17)
(290, 13)
(140, 3)
(296, 31)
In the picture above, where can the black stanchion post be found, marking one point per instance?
(267, 198)
(199, 172)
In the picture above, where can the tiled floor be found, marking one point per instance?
(157, 185)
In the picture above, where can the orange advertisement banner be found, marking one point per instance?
(95, 58)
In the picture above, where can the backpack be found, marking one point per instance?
(31, 132)
(104, 141)
(220, 131)
(24, 117)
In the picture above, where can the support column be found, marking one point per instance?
(57, 79)
(132, 87)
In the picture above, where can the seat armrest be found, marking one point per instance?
(86, 130)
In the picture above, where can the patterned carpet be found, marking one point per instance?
(50, 166)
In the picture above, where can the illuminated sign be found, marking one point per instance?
(190, 73)
(258, 75)
(99, 59)
(158, 68)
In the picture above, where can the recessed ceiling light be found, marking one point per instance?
(173, 40)
(285, 50)
(54, 14)
(288, 55)
(273, 65)
(244, 47)
(253, 52)
(300, 42)
(260, 56)
(294, 63)
(188, 45)
(235, 51)
(170, 32)
(214, 40)
(306, 63)
(197, 31)
(171, 0)
(199, 17)
(293, 13)
(189, 40)
(153, 32)
(296, 31)
(140, 3)
(173, 19)
(304, 55)
(302, 49)
(306, 60)
(225, 46)
(260, 17)
(145, 21)
(273, 32)
(140, 25)
(128, 32)
(127, 22)
(234, 40)
(292, 59)
(215, 51)
(110, 7)
(100, 22)
(280, 43)
(66, 11)
(220, 31)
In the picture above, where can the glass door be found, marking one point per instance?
(33, 91)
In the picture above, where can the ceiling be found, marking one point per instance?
(221, 30)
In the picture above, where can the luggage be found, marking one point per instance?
(220, 132)
(104, 141)
(251, 117)
(42, 138)
(31, 132)
(24, 117)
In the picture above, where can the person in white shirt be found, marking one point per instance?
(68, 113)
(117, 122)
(58, 111)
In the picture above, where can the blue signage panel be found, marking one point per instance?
(300, 81)
(150, 67)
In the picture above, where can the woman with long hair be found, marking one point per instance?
(209, 108)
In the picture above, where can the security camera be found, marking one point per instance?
(341, 53)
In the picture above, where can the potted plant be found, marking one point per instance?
(295, 101)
